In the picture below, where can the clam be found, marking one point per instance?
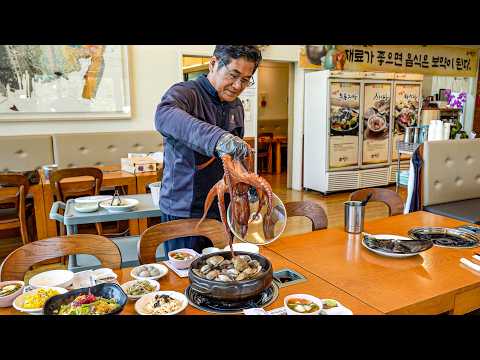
(212, 274)
(222, 277)
(197, 272)
(214, 260)
(205, 268)
(240, 263)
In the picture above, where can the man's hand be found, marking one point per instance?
(232, 145)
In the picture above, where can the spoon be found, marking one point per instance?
(364, 202)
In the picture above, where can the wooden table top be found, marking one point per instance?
(423, 284)
(314, 286)
(110, 172)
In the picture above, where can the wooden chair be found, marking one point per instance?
(16, 265)
(265, 150)
(158, 234)
(13, 192)
(62, 192)
(309, 209)
(390, 198)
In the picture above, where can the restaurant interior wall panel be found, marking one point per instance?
(153, 69)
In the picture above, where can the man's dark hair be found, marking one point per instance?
(226, 53)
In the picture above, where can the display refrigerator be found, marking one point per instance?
(349, 128)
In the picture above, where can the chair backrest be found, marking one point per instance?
(61, 192)
(17, 263)
(393, 201)
(158, 234)
(309, 209)
(13, 190)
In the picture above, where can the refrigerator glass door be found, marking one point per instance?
(405, 113)
(376, 123)
(344, 124)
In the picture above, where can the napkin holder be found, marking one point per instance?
(137, 165)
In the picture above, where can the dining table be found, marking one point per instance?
(112, 176)
(432, 282)
(313, 285)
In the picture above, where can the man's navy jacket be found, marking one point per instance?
(192, 118)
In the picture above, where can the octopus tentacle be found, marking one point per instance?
(209, 200)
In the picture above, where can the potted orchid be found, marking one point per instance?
(456, 100)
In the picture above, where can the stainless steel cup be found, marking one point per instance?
(416, 134)
(354, 216)
(409, 134)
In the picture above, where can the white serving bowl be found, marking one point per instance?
(86, 207)
(145, 299)
(302, 296)
(95, 199)
(55, 278)
(18, 302)
(182, 264)
(126, 285)
(247, 247)
(210, 250)
(163, 271)
(6, 301)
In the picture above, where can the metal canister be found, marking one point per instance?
(409, 134)
(354, 216)
(416, 134)
(48, 169)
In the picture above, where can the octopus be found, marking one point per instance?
(238, 181)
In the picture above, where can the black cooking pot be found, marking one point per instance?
(231, 290)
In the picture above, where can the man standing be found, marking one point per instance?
(201, 120)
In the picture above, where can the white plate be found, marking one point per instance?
(126, 285)
(58, 278)
(247, 247)
(129, 205)
(18, 303)
(145, 299)
(338, 310)
(86, 207)
(92, 199)
(388, 254)
(163, 271)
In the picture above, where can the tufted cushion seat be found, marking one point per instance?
(25, 152)
(98, 149)
(463, 210)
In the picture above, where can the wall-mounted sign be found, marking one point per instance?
(429, 60)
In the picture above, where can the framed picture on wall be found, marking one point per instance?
(64, 82)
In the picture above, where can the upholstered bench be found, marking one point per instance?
(451, 179)
(25, 152)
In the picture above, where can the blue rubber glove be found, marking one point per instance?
(232, 145)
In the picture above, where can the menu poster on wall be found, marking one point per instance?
(407, 104)
(376, 117)
(344, 123)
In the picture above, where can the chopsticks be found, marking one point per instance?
(471, 264)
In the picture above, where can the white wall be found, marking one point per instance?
(153, 69)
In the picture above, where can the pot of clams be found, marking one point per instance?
(221, 277)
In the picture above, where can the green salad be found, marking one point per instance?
(88, 305)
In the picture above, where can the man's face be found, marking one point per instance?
(230, 80)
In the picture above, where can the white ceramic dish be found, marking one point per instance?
(145, 299)
(247, 247)
(337, 310)
(127, 205)
(6, 301)
(182, 264)
(126, 285)
(86, 207)
(388, 254)
(163, 271)
(18, 302)
(92, 199)
(52, 278)
(302, 296)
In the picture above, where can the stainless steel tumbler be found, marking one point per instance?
(354, 216)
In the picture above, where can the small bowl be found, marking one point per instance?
(6, 301)
(163, 271)
(247, 247)
(52, 278)
(18, 302)
(86, 207)
(210, 250)
(145, 299)
(306, 297)
(182, 264)
(126, 285)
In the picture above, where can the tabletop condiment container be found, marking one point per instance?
(354, 217)
(48, 169)
(137, 165)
